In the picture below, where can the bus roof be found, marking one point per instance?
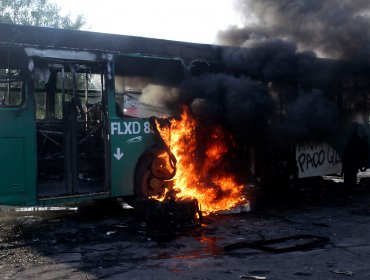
(47, 37)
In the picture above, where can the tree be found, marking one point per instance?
(37, 12)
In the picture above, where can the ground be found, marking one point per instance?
(99, 242)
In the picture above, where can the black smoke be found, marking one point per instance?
(250, 110)
(331, 28)
(239, 103)
(310, 115)
(271, 59)
(281, 47)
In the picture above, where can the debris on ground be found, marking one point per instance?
(348, 273)
(281, 245)
(252, 277)
(180, 212)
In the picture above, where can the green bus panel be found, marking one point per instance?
(17, 156)
(12, 173)
(129, 140)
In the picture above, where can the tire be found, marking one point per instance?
(146, 184)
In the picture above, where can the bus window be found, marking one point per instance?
(89, 88)
(40, 99)
(138, 97)
(10, 88)
(49, 93)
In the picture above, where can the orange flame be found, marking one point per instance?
(201, 173)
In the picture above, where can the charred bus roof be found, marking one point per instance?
(53, 38)
(134, 55)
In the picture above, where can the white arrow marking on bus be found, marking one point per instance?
(118, 155)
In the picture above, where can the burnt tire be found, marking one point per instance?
(145, 183)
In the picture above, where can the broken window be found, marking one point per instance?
(11, 94)
(144, 85)
(10, 88)
(140, 98)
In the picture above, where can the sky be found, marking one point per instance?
(195, 21)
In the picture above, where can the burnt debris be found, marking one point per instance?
(169, 212)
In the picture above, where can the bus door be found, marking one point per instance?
(71, 133)
(17, 132)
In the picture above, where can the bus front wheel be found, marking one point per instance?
(151, 176)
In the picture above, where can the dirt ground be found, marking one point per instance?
(99, 242)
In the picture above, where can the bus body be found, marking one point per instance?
(71, 126)
(55, 140)
(64, 134)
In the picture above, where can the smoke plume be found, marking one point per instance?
(238, 102)
(159, 96)
(270, 59)
(331, 28)
(275, 79)
(309, 115)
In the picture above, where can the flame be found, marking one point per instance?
(201, 168)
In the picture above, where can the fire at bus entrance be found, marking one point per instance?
(92, 116)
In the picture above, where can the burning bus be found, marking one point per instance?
(93, 116)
